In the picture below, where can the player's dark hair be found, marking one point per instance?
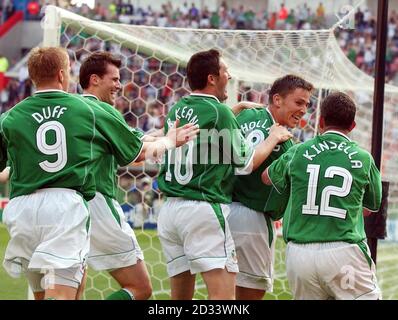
(338, 110)
(200, 66)
(287, 84)
(96, 63)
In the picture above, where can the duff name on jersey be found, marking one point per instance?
(48, 113)
(316, 149)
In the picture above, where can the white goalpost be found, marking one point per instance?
(153, 78)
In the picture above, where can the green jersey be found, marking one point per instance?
(105, 168)
(203, 168)
(330, 179)
(53, 139)
(249, 189)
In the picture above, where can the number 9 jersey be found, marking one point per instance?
(52, 140)
(330, 179)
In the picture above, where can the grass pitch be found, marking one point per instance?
(100, 284)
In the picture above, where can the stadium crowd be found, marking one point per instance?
(358, 44)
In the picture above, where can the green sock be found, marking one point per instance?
(122, 294)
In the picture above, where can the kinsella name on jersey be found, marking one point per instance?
(331, 145)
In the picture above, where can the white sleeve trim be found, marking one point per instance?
(247, 169)
(138, 154)
(371, 210)
(277, 190)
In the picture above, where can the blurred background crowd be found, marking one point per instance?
(358, 44)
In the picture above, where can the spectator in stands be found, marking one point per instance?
(359, 19)
(33, 10)
(3, 63)
(302, 16)
(3, 92)
(283, 13)
(8, 7)
(354, 43)
(290, 20)
(100, 12)
(1, 13)
(272, 21)
(320, 14)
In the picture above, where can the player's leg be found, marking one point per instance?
(63, 223)
(220, 284)
(182, 286)
(80, 289)
(210, 248)
(243, 293)
(254, 236)
(115, 248)
(35, 283)
(60, 292)
(39, 295)
(182, 282)
(348, 271)
(57, 241)
(43, 287)
(135, 279)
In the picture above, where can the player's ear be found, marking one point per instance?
(321, 122)
(277, 100)
(211, 80)
(94, 79)
(61, 75)
(352, 126)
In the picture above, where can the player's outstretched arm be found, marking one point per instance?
(153, 136)
(265, 177)
(176, 137)
(236, 109)
(277, 134)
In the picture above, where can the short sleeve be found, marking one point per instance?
(3, 147)
(3, 154)
(373, 191)
(125, 143)
(278, 171)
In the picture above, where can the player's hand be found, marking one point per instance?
(279, 133)
(245, 105)
(179, 136)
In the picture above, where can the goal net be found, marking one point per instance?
(153, 78)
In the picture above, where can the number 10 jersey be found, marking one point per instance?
(203, 169)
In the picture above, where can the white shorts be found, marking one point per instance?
(331, 270)
(254, 236)
(49, 234)
(195, 236)
(46, 279)
(113, 244)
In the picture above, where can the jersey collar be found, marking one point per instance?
(337, 132)
(205, 95)
(89, 95)
(49, 90)
(272, 118)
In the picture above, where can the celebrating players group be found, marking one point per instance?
(227, 173)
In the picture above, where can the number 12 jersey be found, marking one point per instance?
(330, 179)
